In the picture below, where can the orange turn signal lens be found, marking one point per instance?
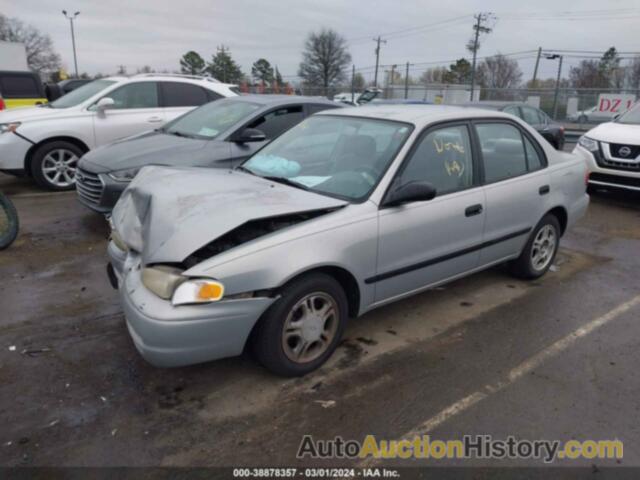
(210, 291)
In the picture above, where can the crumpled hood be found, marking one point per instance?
(612, 132)
(24, 114)
(168, 213)
(152, 148)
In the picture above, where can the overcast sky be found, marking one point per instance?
(157, 32)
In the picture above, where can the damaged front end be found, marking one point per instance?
(250, 231)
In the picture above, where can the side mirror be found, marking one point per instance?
(250, 135)
(105, 103)
(411, 192)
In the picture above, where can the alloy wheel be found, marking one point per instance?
(543, 248)
(310, 327)
(59, 167)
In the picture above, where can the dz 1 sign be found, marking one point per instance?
(615, 103)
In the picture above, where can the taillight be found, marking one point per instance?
(2, 105)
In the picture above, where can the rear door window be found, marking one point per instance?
(19, 86)
(503, 151)
(176, 94)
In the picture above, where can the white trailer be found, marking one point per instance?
(13, 56)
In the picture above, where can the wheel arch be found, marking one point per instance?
(28, 160)
(561, 214)
(344, 277)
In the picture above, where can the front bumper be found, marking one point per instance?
(608, 177)
(98, 191)
(13, 151)
(168, 336)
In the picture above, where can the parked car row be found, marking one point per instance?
(219, 134)
(46, 142)
(266, 221)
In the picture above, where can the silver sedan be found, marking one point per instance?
(346, 212)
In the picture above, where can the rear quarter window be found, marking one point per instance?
(176, 94)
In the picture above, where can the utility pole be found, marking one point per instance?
(535, 69)
(474, 46)
(378, 42)
(555, 97)
(390, 79)
(71, 18)
(406, 81)
(353, 84)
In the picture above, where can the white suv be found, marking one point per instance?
(612, 152)
(45, 142)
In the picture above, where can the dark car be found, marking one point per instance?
(220, 134)
(553, 132)
(57, 90)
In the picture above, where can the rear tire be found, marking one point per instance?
(301, 330)
(540, 251)
(54, 165)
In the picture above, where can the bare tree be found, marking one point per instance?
(587, 75)
(499, 71)
(41, 56)
(434, 75)
(324, 59)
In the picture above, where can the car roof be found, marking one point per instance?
(493, 104)
(419, 115)
(277, 99)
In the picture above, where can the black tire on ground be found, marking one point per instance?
(9, 223)
(523, 266)
(39, 157)
(267, 337)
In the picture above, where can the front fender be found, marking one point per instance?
(352, 247)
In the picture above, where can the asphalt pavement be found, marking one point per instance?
(489, 355)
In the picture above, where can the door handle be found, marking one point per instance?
(473, 210)
(543, 190)
(154, 119)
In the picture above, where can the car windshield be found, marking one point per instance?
(211, 119)
(631, 117)
(338, 156)
(80, 94)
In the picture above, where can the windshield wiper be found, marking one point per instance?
(286, 181)
(178, 134)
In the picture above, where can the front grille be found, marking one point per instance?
(615, 164)
(634, 150)
(615, 179)
(89, 186)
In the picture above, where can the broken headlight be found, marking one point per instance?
(124, 175)
(169, 283)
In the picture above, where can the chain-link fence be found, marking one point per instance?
(568, 105)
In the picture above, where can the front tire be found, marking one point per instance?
(9, 223)
(540, 251)
(301, 330)
(54, 165)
